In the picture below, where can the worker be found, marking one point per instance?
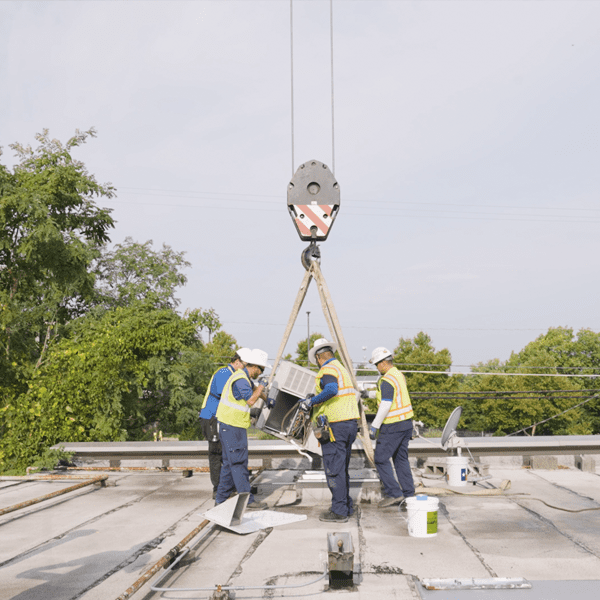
(336, 400)
(208, 419)
(233, 414)
(394, 422)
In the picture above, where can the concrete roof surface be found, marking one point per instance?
(94, 543)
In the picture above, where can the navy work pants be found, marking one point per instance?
(234, 472)
(336, 460)
(393, 443)
(215, 451)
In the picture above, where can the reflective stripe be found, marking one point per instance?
(231, 369)
(235, 405)
(401, 409)
(232, 411)
(343, 406)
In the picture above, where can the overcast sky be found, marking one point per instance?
(466, 148)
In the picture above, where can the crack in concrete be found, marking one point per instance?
(32, 551)
(149, 546)
(442, 508)
(553, 526)
(564, 489)
(260, 538)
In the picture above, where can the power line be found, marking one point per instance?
(387, 327)
(358, 199)
(274, 202)
(562, 220)
(554, 417)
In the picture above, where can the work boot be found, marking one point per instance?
(389, 501)
(331, 517)
(256, 505)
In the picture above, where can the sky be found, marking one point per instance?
(466, 137)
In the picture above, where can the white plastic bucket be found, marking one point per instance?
(422, 516)
(457, 470)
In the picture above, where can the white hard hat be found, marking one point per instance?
(244, 354)
(319, 345)
(380, 354)
(258, 358)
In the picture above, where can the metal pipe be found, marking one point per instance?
(168, 557)
(195, 469)
(72, 488)
(219, 588)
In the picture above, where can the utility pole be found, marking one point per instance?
(307, 336)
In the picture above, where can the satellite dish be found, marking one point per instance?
(450, 427)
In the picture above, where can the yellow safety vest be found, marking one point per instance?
(342, 407)
(210, 385)
(232, 411)
(401, 406)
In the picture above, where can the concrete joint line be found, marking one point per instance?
(553, 526)
(444, 510)
(151, 545)
(64, 534)
(262, 536)
(564, 489)
(22, 513)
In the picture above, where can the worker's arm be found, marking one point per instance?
(243, 391)
(329, 385)
(387, 396)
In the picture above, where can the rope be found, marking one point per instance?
(332, 104)
(292, 74)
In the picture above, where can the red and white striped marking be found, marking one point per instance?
(318, 215)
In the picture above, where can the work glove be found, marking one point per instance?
(310, 396)
(305, 405)
(270, 402)
(373, 433)
(255, 413)
(364, 394)
(264, 381)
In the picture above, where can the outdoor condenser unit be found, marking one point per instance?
(290, 384)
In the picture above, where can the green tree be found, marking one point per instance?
(111, 379)
(133, 272)
(418, 354)
(557, 352)
(49, 229)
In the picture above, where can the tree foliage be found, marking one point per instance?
(49, 229)
(557, 352)
(418, 354)
(134, 272)
(113, 378)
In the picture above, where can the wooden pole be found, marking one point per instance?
(295, 310)
(335, 327)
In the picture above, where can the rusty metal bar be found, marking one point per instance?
(168, 557)
(72, 488)
(163, 562)
(195, 469)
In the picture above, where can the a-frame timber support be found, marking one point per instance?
(314, 272)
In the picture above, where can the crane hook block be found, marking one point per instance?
(313, 200)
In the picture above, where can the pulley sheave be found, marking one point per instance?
(313, 200)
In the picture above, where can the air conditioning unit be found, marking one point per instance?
(295, 380)
(285, 420)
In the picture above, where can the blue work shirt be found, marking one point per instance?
(216, 389)
(329, 387)
(242, 390)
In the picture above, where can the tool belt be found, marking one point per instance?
(322, 430)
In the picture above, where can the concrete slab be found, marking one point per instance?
(95, 543)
